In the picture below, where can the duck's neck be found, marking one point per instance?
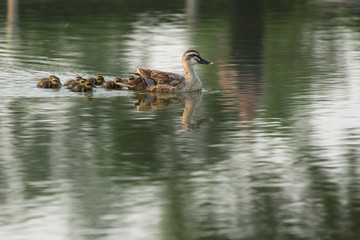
(193, 82)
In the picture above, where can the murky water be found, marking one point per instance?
(269, 149)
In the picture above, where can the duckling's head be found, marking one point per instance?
(100, 80)
(78, 79)
(82, 81)
(51, 77)
(130, 78)
(88, 84)
(55, 80)
(193, 57)
(117, 80)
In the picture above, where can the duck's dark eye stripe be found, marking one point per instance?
(192, 54)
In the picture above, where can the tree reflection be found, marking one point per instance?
(12, 18)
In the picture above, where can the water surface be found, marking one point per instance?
(268, 150)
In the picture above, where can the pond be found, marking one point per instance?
(270, 149)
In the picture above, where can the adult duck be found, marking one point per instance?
(159, 81)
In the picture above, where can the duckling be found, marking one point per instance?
(69, 83)
(135, 84)
(98, 80)
(113, 84)
(80, 82)
(158, 81)
(92, 80)
(130, 78)
(47, 78)
(83, 87)
(50, 82)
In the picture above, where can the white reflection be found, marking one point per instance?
(335, 106)
(157, 44)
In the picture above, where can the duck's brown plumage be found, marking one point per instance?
(161, 77)
(159, 81)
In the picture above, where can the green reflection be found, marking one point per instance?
(257, 155)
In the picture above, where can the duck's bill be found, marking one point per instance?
(203, 61)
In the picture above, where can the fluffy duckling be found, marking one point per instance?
(113, 84)
(98, 80)
(92, 80)
(130, 78)
(136, 84)
(47, 78)
(69, 83)
(80, 82)
(87, 86)
(50, 82)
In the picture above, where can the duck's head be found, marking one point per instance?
(193, 57)
(78, 79)
(100, 80)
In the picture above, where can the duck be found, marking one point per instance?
(98, 80)
(159, 81)
(51, 82)
(86, 86)
(69, 83)
(113, 84)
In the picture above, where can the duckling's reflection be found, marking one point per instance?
(159, 100)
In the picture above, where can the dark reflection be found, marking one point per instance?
(324, 195)
(240, 74)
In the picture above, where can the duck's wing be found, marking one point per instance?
(161, 77)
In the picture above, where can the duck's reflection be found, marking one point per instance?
(159, 100)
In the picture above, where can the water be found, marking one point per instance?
(269, 149)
